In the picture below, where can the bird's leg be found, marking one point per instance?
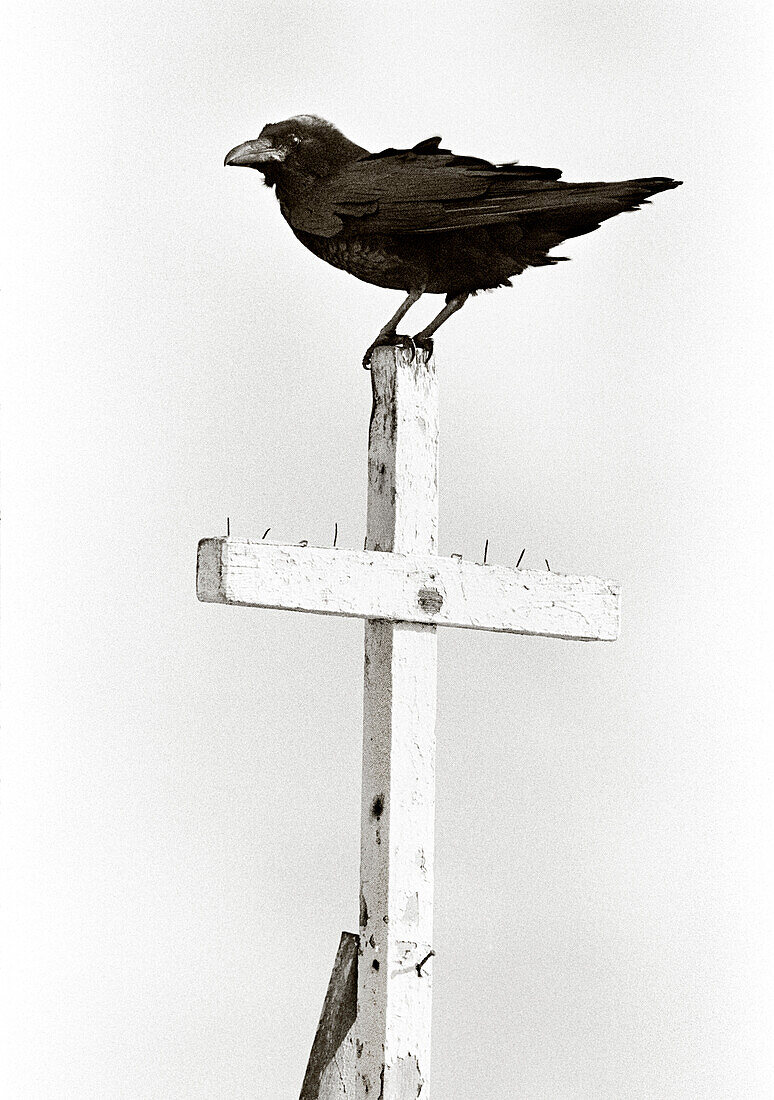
(388, 334)
(423, 338)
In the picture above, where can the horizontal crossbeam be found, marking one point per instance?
(407, 588)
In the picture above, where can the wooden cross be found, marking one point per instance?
(373, 1039)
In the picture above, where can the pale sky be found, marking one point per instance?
(181, 781)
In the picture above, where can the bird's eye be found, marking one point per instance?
(295, 139)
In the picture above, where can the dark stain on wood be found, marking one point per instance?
(430, 600)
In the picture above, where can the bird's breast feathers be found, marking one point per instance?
(367, 258)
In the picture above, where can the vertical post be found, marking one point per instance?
(392, 1031)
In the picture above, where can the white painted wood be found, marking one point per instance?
(407, 588)
(404, 591)
(398, 793)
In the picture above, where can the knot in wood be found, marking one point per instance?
(430, 600)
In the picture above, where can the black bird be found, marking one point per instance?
(423, 220)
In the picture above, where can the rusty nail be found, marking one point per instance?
(429, 955)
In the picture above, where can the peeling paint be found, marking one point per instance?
(406, 1081)
(411, 910)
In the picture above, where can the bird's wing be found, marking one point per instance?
(429, 190)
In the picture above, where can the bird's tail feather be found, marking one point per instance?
(579, 210)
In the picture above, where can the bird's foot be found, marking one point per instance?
(389, 340)
(425, 343)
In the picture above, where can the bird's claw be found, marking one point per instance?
(425, 343)
(393, 340)
(404, 342)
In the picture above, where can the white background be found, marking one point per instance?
(181, 781)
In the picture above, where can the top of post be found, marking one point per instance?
(403, 452)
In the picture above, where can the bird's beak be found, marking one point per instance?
(252, 154)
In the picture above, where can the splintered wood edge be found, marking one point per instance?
(337, 1017)
(407, 588)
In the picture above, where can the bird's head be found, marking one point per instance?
(304, 145)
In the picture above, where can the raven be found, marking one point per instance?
(423, 220)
